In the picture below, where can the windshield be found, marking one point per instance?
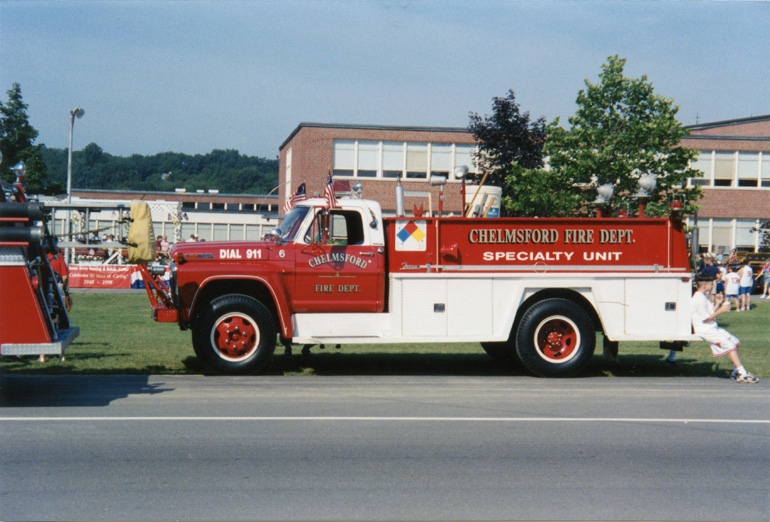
(287, 229)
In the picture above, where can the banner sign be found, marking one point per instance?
(101, 276)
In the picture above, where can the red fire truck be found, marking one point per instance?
(532, 290)
(33, 311)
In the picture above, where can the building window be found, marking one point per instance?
(344, 157)
(441, 159)
(745, 239)
(253, 232)
(724, 169)
(464, 157)
(748, 169)
(393, 159)
(220, 232)
(721, 234)
(288, 167)
(368, 159)
(703, 164)
(188, 229)
(765, 169)
(416, 160)
(236, 232)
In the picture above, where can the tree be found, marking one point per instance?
(506, 138)
(538, 193)
(620, 131)
(764, 235)
(17, 139)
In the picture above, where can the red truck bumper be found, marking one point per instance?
(165, 315)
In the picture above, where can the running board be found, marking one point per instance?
(54, 348)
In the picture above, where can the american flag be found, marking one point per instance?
(299, 195)
(331, 198)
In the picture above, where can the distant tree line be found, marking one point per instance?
(228, 171)
(225, 170)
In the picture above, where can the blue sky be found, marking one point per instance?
(192, 76)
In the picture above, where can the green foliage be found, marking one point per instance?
(17, 138)
(621, 130)
(538, 193)
(225, 170)
(764, 235)
(508, 137)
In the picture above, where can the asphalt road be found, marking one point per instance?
(404, 448)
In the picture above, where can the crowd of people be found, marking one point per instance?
(733, 279)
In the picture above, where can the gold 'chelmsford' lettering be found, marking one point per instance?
(489, 236)
(336, 257)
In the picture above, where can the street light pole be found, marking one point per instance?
(77, 112)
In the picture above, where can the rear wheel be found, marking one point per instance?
(555, 338)
(234, 334)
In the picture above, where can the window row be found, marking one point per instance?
(723, 235)
(229, 207)
(400, 160)
(732, 169)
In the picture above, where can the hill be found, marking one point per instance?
(228, 171)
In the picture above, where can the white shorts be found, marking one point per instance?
(722, 342)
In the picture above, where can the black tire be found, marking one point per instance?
(500, 351)
(235, 335)
(555, 338)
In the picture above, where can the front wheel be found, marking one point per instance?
(555, 338)
(235, 335)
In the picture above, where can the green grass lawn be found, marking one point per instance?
(118, 336)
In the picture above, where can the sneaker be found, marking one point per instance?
(734, 374)
(747, 378)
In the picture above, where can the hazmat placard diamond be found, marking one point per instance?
(410, 235)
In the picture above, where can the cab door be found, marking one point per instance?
(337, 268)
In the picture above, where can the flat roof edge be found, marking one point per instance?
(725, 123)
(363, 126)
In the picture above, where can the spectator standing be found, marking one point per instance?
(705, 325)
(711, 271)
(720, 282)
(164, 246)
(747, 281)
(733, 286)
(699, 264)
(765, 273)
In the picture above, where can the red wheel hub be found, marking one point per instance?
(235, 336)
(557, 338)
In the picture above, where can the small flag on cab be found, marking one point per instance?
(298, 196)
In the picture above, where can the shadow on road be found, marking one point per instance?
(72, 390)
